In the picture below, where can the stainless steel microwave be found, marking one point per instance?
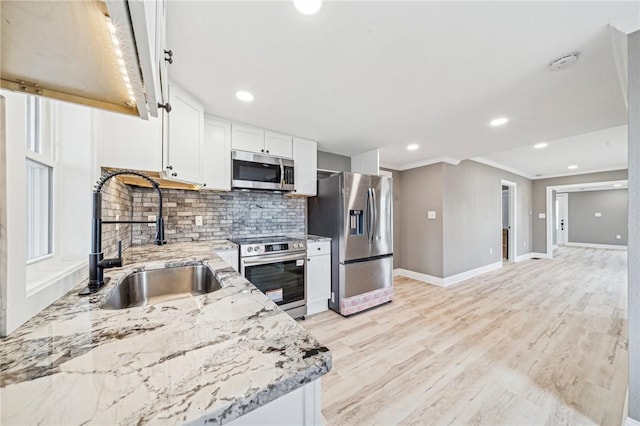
(255, 171)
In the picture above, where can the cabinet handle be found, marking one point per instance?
(166, 106)
(169, 59)
(267, 151)
(174, 174)
(170, 167)
(169, 53)
(308, 259)
(262, 150)
(204, 185)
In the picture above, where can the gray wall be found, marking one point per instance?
(421, 238)
(334, 162)
(473, 216)
(585, 227)
(540, 200)
(634, 226)
(467, 199)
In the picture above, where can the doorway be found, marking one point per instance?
(507, 231)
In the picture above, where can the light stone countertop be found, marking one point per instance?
(202, 359)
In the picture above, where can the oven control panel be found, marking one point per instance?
(272, 248)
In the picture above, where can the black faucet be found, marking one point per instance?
(97, 263)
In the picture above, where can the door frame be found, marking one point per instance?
(513, 205)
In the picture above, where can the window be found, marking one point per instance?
(39, 181)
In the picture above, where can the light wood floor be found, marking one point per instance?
(537, 342)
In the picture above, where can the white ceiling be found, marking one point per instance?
(364, 75)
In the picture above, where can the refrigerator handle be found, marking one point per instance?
(370, 213)
(374, 224)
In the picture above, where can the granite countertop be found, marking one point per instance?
(202, 359)
(316, 238)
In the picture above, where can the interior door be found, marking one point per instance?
(562, 223)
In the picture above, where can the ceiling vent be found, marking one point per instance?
(564, 61)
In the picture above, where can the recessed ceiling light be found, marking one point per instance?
(413, 147)
(541, 145)
(617, 185)
(501, 121)
(572, 167)
(308, 7)
(245, 96)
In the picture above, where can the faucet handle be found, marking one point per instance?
(119, 249)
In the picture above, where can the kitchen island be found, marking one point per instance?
(209, 358)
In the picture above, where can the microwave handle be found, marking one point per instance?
(281, 173)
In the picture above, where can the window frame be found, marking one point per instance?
(44, 132)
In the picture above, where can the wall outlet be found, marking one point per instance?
(524, 243)
(618, 237)
(597, 214)
(542, 215)
(333, 297)
(198, 220)
(490, 250)
(431, 214)
(117, 224)
(152, 218)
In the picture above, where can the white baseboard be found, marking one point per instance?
(540, 255)
(631, 422)
(447, 281)
(602, 246)
(418, 276)
(525, 256)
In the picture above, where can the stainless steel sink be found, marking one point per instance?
(160, 285)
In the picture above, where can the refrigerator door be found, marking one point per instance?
(356, 217)
(381, 236)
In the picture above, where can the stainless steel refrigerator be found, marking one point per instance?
(355, 210)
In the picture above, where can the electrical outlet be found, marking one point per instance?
(198, 220)
(431, 214)
(152, 218)
(117, 224)
(490, 250)
(333, 297)
(597, 214)
(618, 237)
(524, 243)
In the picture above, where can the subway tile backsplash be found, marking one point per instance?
(225, 215)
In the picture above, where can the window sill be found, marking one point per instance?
(52, 271)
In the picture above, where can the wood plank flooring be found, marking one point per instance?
(537, 342)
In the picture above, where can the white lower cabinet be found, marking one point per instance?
(318, 276)
(229, 256)
(301, 407)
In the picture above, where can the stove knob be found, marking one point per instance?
(295, 245)
(249, 249)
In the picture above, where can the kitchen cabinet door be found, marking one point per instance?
(185, 128)
(215, 161)
(128, 142)
(318, 276)
(247, 138)
(305, 158)
(278, 144)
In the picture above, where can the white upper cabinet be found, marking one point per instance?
(215, 159)
(305, 158)
(278, 144)
(254, 139)
(247, 138)
(184, 138)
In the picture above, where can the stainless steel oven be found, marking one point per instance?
(277, 266)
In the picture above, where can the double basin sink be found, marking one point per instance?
(161, 285)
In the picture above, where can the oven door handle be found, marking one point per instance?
(263, 260)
